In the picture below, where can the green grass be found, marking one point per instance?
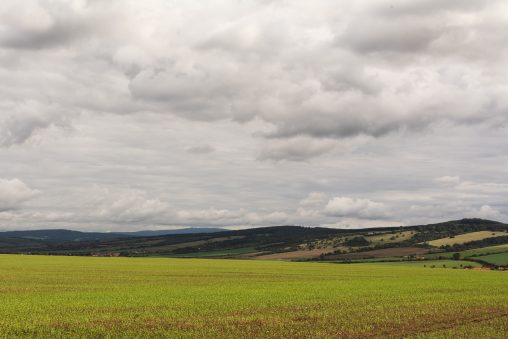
(61, 297)
(496, 259)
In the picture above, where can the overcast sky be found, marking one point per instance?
(127, 115)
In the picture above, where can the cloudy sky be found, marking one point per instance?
(127, 115)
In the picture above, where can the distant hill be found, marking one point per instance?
(68, 235)
(60, 235)
(188, 230)
(274, 242)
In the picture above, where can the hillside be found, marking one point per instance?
(277, 242)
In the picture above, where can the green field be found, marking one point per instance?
(496, 259)
(61, 297)
(479, 253)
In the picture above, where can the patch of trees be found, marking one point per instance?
(453, 228)
(357, 242)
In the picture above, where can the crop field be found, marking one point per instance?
(302, 254)
(463, 238)
(60, 297)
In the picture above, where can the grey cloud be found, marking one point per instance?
(351, 78)
(374, 35)
(295, 96)
(23, 121)
(427, 7)
(296, 149)
(448, 180)
(56, 35)
(201, 149)
(214, 216)
(300, 85)
(35, 25)
(198, 94)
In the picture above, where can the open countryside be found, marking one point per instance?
(253, 169)
(469, 240)
(61, 297)
(289, 282)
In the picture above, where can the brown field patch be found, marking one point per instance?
(304, 254)
(385, 252)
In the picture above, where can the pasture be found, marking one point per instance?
(61, 297)
(495, 259)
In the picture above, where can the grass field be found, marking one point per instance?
(496, 259)
(61, 297)
(464, 238)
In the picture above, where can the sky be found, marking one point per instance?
(154, 114)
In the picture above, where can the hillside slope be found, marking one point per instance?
(276, 242)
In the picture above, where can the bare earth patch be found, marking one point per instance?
(386, 252)
(305, 254)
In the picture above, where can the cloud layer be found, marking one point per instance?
(137, 114)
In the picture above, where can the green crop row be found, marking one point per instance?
(62, 297)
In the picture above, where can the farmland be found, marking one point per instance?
(474, 252)
(495, 259)
(59, 297)
(289, 243)
(464, 238)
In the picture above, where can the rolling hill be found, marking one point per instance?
(272, 243)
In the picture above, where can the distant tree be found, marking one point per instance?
(456, 256)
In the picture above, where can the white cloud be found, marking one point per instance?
(126, 205)
(314, 199)
(13, 193)
(355, 207)
(485, 212)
